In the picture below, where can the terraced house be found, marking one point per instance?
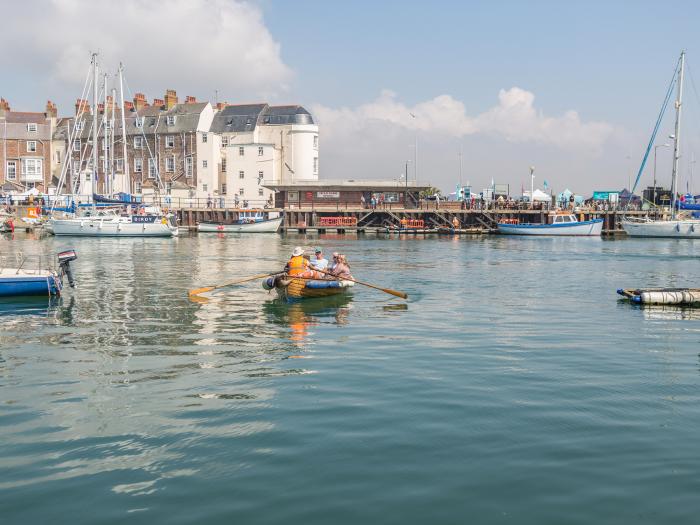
(26, 148)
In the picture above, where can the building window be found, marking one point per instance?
(12, 170)
(108, 124)
(151, 168)
(188, 167)
(224, 140)
(261, 175)
(32, 167)
(223, 189)
(315, 165)
(171, 120)
(204, 164)
(241, 174)
(138, 142)
(31, 146)
(261, 192)
(170, 141)
(170, 164)
(76, 166)
(315, 141)
(137, 186)
(32, 127)
(204, 187)
(204, 137)
(138, 165)
(76, 145)
(241, 151)
(241, 192)
(168, 187)
(79, 125)
(261, 151)
(120, 165)
(223, 165)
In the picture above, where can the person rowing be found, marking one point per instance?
(299, 266)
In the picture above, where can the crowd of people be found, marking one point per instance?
(318, 267)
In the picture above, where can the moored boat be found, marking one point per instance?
(243, 226)
(562, 224)
(110, 224)
(295, 288)
(663, 296)
(20, 281)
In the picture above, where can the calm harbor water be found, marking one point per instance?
(513, 386)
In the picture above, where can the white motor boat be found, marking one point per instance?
(564, 224)
(247, 223)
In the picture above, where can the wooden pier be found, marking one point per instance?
(445, 219)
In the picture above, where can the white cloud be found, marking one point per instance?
(514, 119)
(194, 46)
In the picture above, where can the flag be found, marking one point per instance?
(545, 185)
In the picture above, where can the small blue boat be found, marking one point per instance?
(22, 282)
(560, 224)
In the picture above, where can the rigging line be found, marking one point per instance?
(669, 94)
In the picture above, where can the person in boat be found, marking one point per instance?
(298, 265)
(342, 269)
(319, 262)
(334, 261)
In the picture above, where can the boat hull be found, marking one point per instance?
(19, 283)
(118, 227)
(592, 228)
(269, 226)
(295, 289)
(678, 229)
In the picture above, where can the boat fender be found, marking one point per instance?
(678, 227)
(164, 220)
(692, 228)
(269, 283)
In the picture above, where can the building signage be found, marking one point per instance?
(604, 195)
(328, 194)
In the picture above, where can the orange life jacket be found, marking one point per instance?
(297, 265)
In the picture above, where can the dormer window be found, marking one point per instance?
(32, 127)
(152, 122)
(171, 120)
(139, 122)
(224, 140)
(79, 125)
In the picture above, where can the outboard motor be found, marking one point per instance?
(64, 259)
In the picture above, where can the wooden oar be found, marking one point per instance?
(385, 290)
(206, 289)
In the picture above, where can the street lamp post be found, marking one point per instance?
(532, 187)
(653, 198)
(405, 196)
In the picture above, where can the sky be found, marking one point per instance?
(571, 88)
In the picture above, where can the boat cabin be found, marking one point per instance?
(563, 218)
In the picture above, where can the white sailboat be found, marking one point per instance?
(675, 226)
(110, 222)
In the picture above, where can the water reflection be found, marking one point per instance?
(302, 316)
(29, 306)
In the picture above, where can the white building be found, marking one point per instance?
(260, 143)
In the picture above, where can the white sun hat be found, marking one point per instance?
(298, 251)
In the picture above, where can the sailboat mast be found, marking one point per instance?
(95, 123)
(677, 139)
(127, 179)
(111, 140)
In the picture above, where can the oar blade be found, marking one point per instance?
(199, 291)
(395, 293)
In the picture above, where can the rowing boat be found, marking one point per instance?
(658, 296)
(291, 288)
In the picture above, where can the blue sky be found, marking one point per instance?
(570, 87)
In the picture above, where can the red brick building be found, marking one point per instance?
(26, 148)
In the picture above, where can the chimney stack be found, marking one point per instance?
(221, 105)
(140, 101)
(100, 108)
(81, 106)
(51, 110)
(158, 102)
(170, 98)
(4, 107)
(128, 106)
(190, 100)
